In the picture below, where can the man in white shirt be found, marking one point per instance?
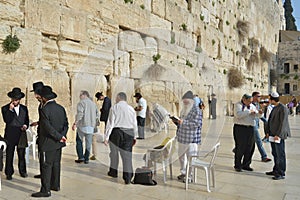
(120, 134)
(141, 114)
(243, 132)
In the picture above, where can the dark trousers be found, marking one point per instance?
(244, 145)
(121, 141)
(50, 171)
(141, 126)
(9, 168)
(1, 160)
(278, 152)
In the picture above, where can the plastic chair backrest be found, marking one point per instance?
(214, 152)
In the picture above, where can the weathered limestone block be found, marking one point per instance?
(72, 55)
(159, 7)
(126, 14)
(131, 41)
(185, 40)
(122, 62)
(50, 56)
(140, 63)
(43, 15)
(101, 31)
(99, 59)
(11, 14)
(159, 28)
(73, 24)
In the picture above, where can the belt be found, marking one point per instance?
(247, 126)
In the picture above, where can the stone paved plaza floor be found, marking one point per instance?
(89, 181)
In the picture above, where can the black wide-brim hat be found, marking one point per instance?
(16, 93)
(47, 92)
(98, 95)
(37, 86)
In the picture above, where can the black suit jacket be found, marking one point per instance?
(105, 109)
(54, 125)
(13, 123)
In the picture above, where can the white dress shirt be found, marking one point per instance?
(121, 115)
(143, 103)
(243, 116)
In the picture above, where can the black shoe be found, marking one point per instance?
(248, 169)
(112, 175)
(79, 161)
(181, 177)
(9, 177)
(140, 138)
(37, 176)
(55, 189)
(86, 162)
(127, 182)
(24, 175)
(271, 173)
(41, 194)
(266, 160)
(278, 177)
(238, 169)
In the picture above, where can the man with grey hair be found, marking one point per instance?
(86, 121)
(120, 133)
(188, 132)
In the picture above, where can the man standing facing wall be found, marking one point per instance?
(141, 114)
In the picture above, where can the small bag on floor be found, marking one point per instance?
(143, 176)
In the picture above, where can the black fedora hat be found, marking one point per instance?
(98, 95)
(47, 92)
(16, 93)
(37, 86)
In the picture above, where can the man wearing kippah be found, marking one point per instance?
(243, 132)
(278, 129)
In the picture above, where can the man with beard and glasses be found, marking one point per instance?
(188, 132)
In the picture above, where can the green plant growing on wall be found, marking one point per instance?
(201, 17)
(173, 39)
(213, 3)
(213, 42)
(235, 78)
(224, 71)
(156, 57)
(142, 6)
(128, 1)
(188, 63)
(296, 77)
(183, 27)
(227, 23)
(198, 49)
(11, 44)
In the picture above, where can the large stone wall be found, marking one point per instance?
(101, 45)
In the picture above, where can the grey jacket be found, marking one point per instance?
(87, 113)
(278, 123)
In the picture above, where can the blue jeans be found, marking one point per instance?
(278, 152)
(259, 143)
(79, 146)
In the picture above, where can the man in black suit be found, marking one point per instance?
(37, 86)
(53, 125)
(105, 106)
(15, 116)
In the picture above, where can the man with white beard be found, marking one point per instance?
(188, 132)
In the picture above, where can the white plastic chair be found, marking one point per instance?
(163, 156)
(31, 137)
(2, 148)
(196, 162)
